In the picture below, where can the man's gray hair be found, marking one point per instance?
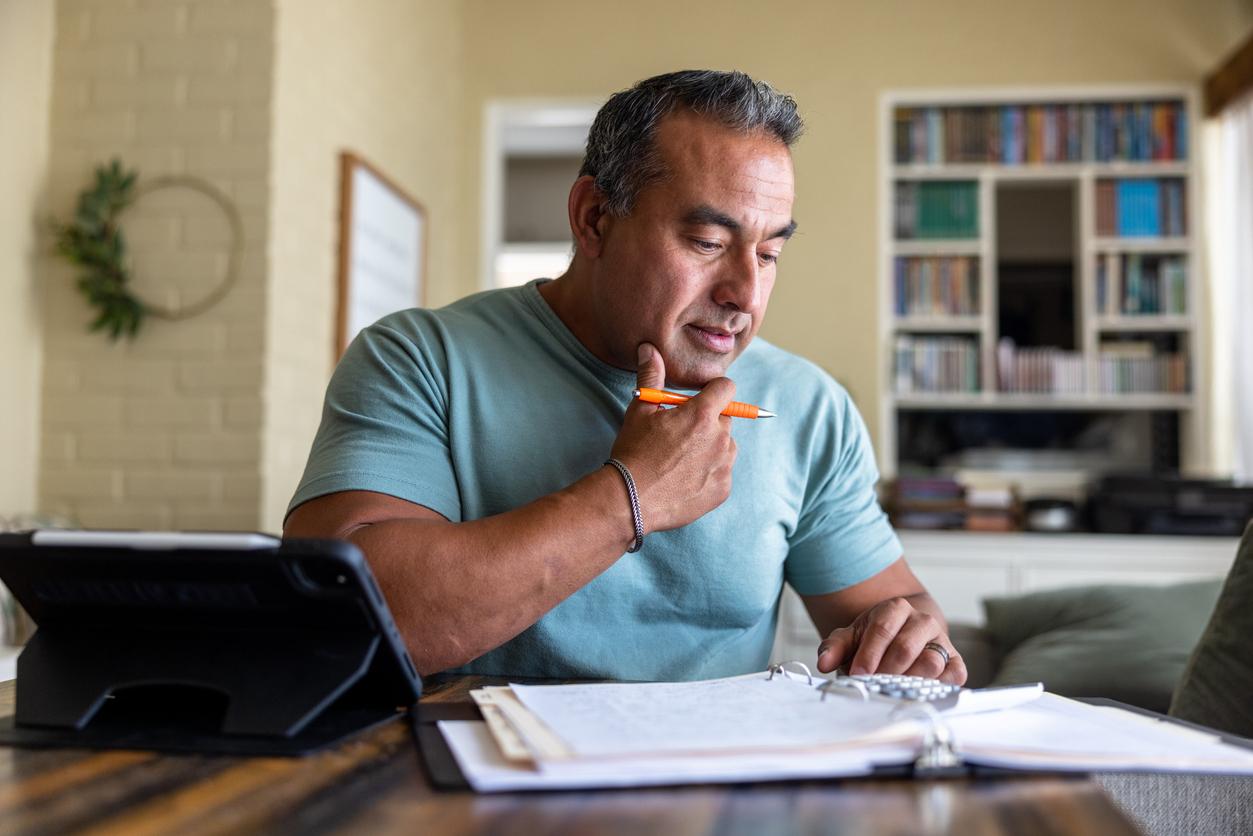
(622, 150)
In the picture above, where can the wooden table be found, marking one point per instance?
(375, 784)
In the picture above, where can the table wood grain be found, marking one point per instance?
(375, 784)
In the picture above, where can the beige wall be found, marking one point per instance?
(164, 431)
(835, 58)
(206, 423)
(25, 76)
(381, 79)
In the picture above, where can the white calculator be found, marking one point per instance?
(942, 696)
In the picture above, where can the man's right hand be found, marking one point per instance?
(680, 458)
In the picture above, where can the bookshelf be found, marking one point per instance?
(1125, 160)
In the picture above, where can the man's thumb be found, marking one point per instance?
(652, 369)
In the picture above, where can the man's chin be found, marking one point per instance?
(695, 375)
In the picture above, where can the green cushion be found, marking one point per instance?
(1128, 643)
(1217, 685)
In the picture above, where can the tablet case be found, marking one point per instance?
(235, 644)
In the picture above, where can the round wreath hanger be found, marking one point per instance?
(95, 242)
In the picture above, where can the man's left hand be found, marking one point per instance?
(893, 637)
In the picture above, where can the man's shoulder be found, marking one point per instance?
(477, 307)
(766, 364)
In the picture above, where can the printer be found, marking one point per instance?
(1142, 504)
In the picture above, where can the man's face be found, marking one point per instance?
(690, 269)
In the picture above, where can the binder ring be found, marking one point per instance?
(847, 684)
(780, 668)
(938, 755)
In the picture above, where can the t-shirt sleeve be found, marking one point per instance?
(385, 420)
(842, 536)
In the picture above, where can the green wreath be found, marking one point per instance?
(95, 242)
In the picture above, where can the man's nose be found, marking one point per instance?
(739, 285)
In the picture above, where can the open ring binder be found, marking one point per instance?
(772, 725)
(938, 757)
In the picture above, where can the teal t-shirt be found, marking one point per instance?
(480, 407)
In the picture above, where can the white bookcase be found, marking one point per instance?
(1091, 327)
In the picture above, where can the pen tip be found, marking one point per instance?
(635, 393)
(765, 413)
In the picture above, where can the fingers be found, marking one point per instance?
(932, 665)
(712, 399)
(651, 373)
(835, 649)
(877, 633)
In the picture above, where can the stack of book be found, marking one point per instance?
(1137, 285)
(1042, 133)
(937, 209)
(927, 503)
(940, 502)
(936, 364)
(937, 285)
(1038, 370)
(993, 506)
(1140, 208)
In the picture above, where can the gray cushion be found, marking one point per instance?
(976, 651)
(1128, 643)
(1217, 685)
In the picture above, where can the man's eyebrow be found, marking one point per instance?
(709, 216)
(784, 233)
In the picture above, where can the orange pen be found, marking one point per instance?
(735, 409)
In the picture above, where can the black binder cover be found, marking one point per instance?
(234, 644)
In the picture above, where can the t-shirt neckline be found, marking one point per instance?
(611, 375)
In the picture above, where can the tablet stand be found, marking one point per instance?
(227, 692)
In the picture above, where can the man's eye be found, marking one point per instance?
(707, 246)
(768, 258)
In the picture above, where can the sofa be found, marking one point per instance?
(1185, 651)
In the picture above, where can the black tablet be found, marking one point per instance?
(204, 642)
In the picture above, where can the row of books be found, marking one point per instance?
(1039, 370)
(1042, 133)
(937, 209)
(1140, 207)
(1133, 368)
(1132, 284)
(1119, 368)
(937, 285)
(936, 364)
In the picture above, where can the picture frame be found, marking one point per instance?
(382, 249)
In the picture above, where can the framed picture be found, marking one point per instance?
(382, 249)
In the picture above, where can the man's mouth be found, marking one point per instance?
(714, 338)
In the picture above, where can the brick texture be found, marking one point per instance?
(136, 433)
(206, 423)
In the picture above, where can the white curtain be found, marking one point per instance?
(1229, 186)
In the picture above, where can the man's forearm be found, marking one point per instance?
(458, 590)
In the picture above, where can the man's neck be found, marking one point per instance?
(569, 296)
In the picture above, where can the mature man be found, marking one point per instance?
(489, 460)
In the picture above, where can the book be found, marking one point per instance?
(936, 364)
(775, 726)
(1138, 208)
(1013, 134)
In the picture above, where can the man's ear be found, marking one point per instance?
(588, 218)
